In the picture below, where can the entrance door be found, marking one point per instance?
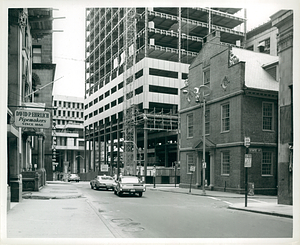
(207, 170)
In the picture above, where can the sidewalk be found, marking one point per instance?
(271, 208)
(52, 215)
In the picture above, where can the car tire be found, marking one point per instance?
(140, 194)
(115, 192)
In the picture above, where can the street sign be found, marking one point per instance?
(247, 141)
(32, 119)
(192, 168)
(203, 164)
(248, 160)
(104, 167)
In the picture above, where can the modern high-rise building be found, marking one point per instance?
(67, 135)
(136, 61)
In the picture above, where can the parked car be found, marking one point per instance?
(130, 185)
(102, 181)
(73, 177)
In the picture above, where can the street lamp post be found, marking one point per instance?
(204, 91)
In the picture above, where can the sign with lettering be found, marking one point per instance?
(32, 119)
(248, 161)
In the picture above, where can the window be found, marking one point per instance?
(114, 89)
(264, 46)
(184, 76)
(207, 121)
(190, 125)
(113, 103)
(64, 113)
(139, 74)
(267, 116)
(163, 73)
(225, 163)
(120, 100)
(189, 161)
(163, 90)
(36, 54)
(266, 165)
(206, 78)
(225, 118)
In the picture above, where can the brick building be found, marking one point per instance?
(242, 103)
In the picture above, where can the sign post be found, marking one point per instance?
(192, 170)
(247, 164)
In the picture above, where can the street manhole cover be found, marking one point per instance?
(133, 229)
(129, 224)
(69, 208)
(121, 220)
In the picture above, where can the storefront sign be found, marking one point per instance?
(32, 119)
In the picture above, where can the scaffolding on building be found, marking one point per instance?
(129, 102)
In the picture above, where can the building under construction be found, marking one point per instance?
(137, 60)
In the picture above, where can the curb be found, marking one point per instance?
(30, 196)
(195, 194)
(262, 212)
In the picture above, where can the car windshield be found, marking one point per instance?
(73, 175)
(130, 180)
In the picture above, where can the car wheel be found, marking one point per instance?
(92, 187)
(140, 194)
(115, 192)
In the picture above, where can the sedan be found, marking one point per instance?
(102, 181)
(130, 185)
(73, 177)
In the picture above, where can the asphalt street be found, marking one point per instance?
(173, 215)
(74, 210)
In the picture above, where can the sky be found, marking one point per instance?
(69, 45)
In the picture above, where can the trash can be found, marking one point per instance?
(251, 189)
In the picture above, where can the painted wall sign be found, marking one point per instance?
(32, 119)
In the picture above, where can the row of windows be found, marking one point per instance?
(153, 72)
(267, 119)
(266, 163)
(66, 104)
(152, 88)
(68, 113)
(63, 122)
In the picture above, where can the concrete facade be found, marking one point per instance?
(241, 96)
